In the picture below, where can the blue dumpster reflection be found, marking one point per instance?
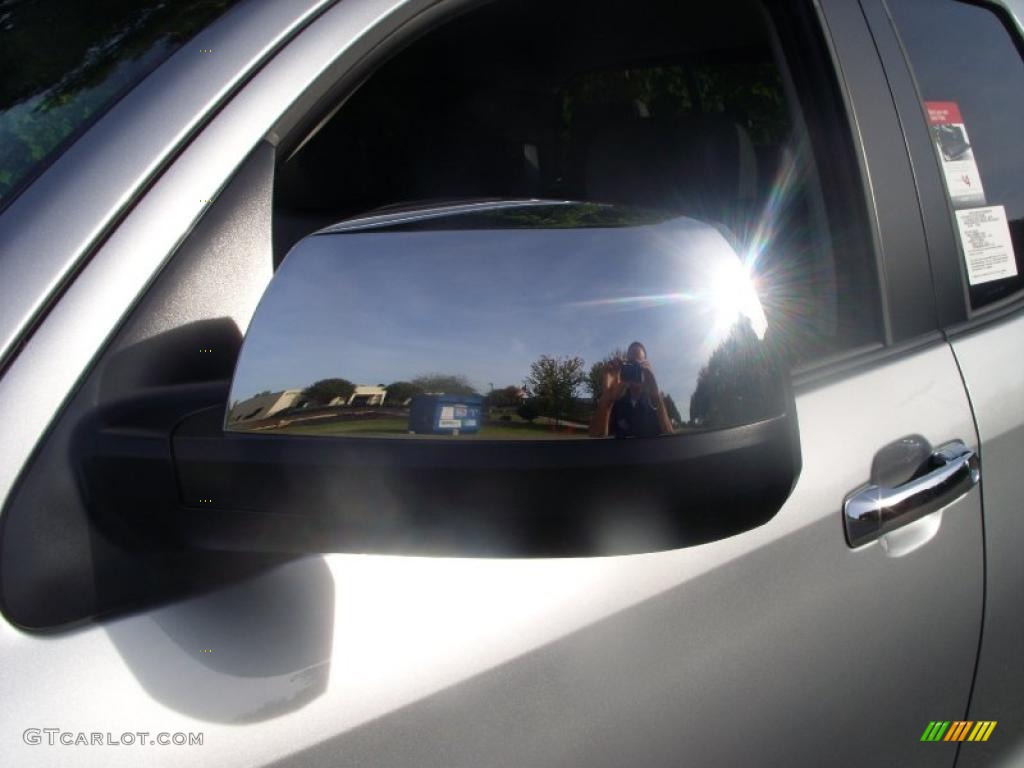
(445, 414)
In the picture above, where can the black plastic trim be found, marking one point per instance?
(904, 253)
(478, 498)
(815, 77)
(76, 539)
(992, 315)
(936, 212)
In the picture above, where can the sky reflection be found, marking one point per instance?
(378, 307)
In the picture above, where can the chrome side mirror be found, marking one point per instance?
(456, 326)
(454, 380)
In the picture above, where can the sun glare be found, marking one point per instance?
(732, 294)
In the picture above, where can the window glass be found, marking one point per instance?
(663, 109)
(970, 72)
(66, 63)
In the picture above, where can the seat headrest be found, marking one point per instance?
(702, 165)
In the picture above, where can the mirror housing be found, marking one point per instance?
(640, 403)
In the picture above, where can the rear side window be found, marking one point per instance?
(66, 63)
(968, 63)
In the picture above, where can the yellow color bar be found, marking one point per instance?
(982, 730)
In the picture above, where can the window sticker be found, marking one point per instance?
(950, 135)
(988, 250)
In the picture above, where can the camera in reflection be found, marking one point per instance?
(631, 371)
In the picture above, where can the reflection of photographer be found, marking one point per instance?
(630, 404)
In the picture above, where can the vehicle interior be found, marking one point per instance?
(561, 104)
(662, 107)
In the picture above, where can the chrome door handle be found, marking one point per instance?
(875, 510)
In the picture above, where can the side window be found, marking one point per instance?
(663, 108)
(967, 60)
(66, 63)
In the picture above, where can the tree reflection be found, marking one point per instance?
(740, 383)
(402, 392)
(65, 63)
(443, 384)
(553, 381)
(325, 391)
(470, 330)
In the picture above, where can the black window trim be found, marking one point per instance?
(850, 362)
(899, 238)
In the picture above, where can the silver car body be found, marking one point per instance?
(777, 646)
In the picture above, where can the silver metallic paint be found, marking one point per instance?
(763, 617)
(48, 230)
(722, 654)
(992, 363)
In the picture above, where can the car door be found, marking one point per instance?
(981, 309)
(781, 645)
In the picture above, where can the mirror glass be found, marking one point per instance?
(508, 321)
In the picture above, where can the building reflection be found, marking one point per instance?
(739, 384)
(554, 317)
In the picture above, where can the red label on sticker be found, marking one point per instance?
(943, 112)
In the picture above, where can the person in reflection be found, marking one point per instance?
(630, 404)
